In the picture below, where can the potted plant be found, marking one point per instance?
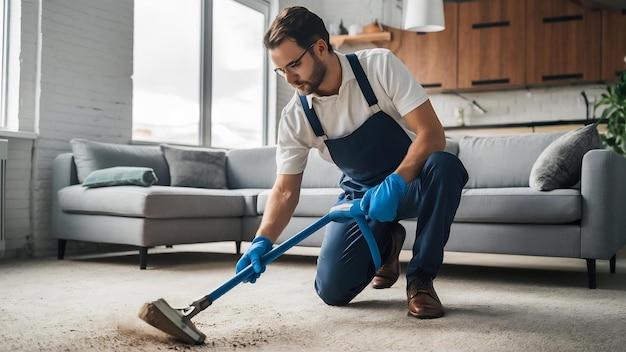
(614, 113)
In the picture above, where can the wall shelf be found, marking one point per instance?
(339, 40)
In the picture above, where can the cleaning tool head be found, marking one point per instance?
(171, 321)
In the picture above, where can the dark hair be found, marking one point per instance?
(299, 24)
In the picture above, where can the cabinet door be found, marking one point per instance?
(431, 57)
(491, 43)
(613, 43)
(563, 42)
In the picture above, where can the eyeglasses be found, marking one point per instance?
(291, 67)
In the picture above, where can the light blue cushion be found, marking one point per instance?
(121, 175)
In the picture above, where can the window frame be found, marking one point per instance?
(4, 65)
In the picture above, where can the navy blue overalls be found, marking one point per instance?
(366, 157)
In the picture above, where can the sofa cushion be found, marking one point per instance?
(519, 205)
(502, 161)
(314, 202)
(121, 175)
(196, 167)
(560, 164)
(452, 146)
(90, 156)
(251, 167)
(320, 173)
(160, 202)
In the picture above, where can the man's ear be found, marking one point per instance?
(321, 47)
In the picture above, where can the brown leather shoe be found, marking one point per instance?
(389, 272)
(422, 299)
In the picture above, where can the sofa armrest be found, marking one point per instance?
(63, 175)
(603, 189)
(64, 171)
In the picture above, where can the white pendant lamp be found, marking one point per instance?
(423, 15)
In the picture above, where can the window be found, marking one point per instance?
(166, 71)
(10, 16)
(238, 70)
(200, 73)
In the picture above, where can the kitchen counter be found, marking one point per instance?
(520, 127)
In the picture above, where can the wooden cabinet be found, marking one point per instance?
(562, 42)
(491, 43)
(613, 44)
(431, 57)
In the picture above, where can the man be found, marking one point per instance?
(367, 114)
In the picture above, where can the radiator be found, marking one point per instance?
(4, 154)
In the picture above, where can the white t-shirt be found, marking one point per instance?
(397, 91)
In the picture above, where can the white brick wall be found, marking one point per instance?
(85, 92)
(17, 217)
(86, 89)
(516, 106)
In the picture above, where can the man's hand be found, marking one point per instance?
(260, 245)
(381, 202)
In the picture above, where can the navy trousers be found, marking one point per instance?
(345, 266)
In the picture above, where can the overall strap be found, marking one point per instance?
(314, 121)
(361, 78)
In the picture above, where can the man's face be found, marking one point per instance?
(302, 68)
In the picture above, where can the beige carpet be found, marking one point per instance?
(494, 303)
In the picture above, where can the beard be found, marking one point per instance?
(311, 85)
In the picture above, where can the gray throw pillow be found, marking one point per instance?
(90, 156)
(196, 167)
(560, 164)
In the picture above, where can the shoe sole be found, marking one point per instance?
(419, 316)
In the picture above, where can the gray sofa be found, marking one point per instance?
(499, 212)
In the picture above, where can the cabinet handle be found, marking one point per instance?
(432, 85)
(562, 18)
(565, 76)
(491, 24)
(490, 81)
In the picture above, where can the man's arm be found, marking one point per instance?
(430, 138)
(280, 206)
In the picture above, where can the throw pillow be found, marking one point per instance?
(560, 164)
(196, 167)
(121, 175)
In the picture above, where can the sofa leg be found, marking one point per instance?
(61, 249)
(143, 257)
(591, 273)
(612, 263)
(238, 247)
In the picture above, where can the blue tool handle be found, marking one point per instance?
(343, 211)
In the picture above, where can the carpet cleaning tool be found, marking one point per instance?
(177, 322)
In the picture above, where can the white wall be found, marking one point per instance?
(76, 67)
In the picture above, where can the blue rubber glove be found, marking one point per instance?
(260, 245)
(381, 202)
